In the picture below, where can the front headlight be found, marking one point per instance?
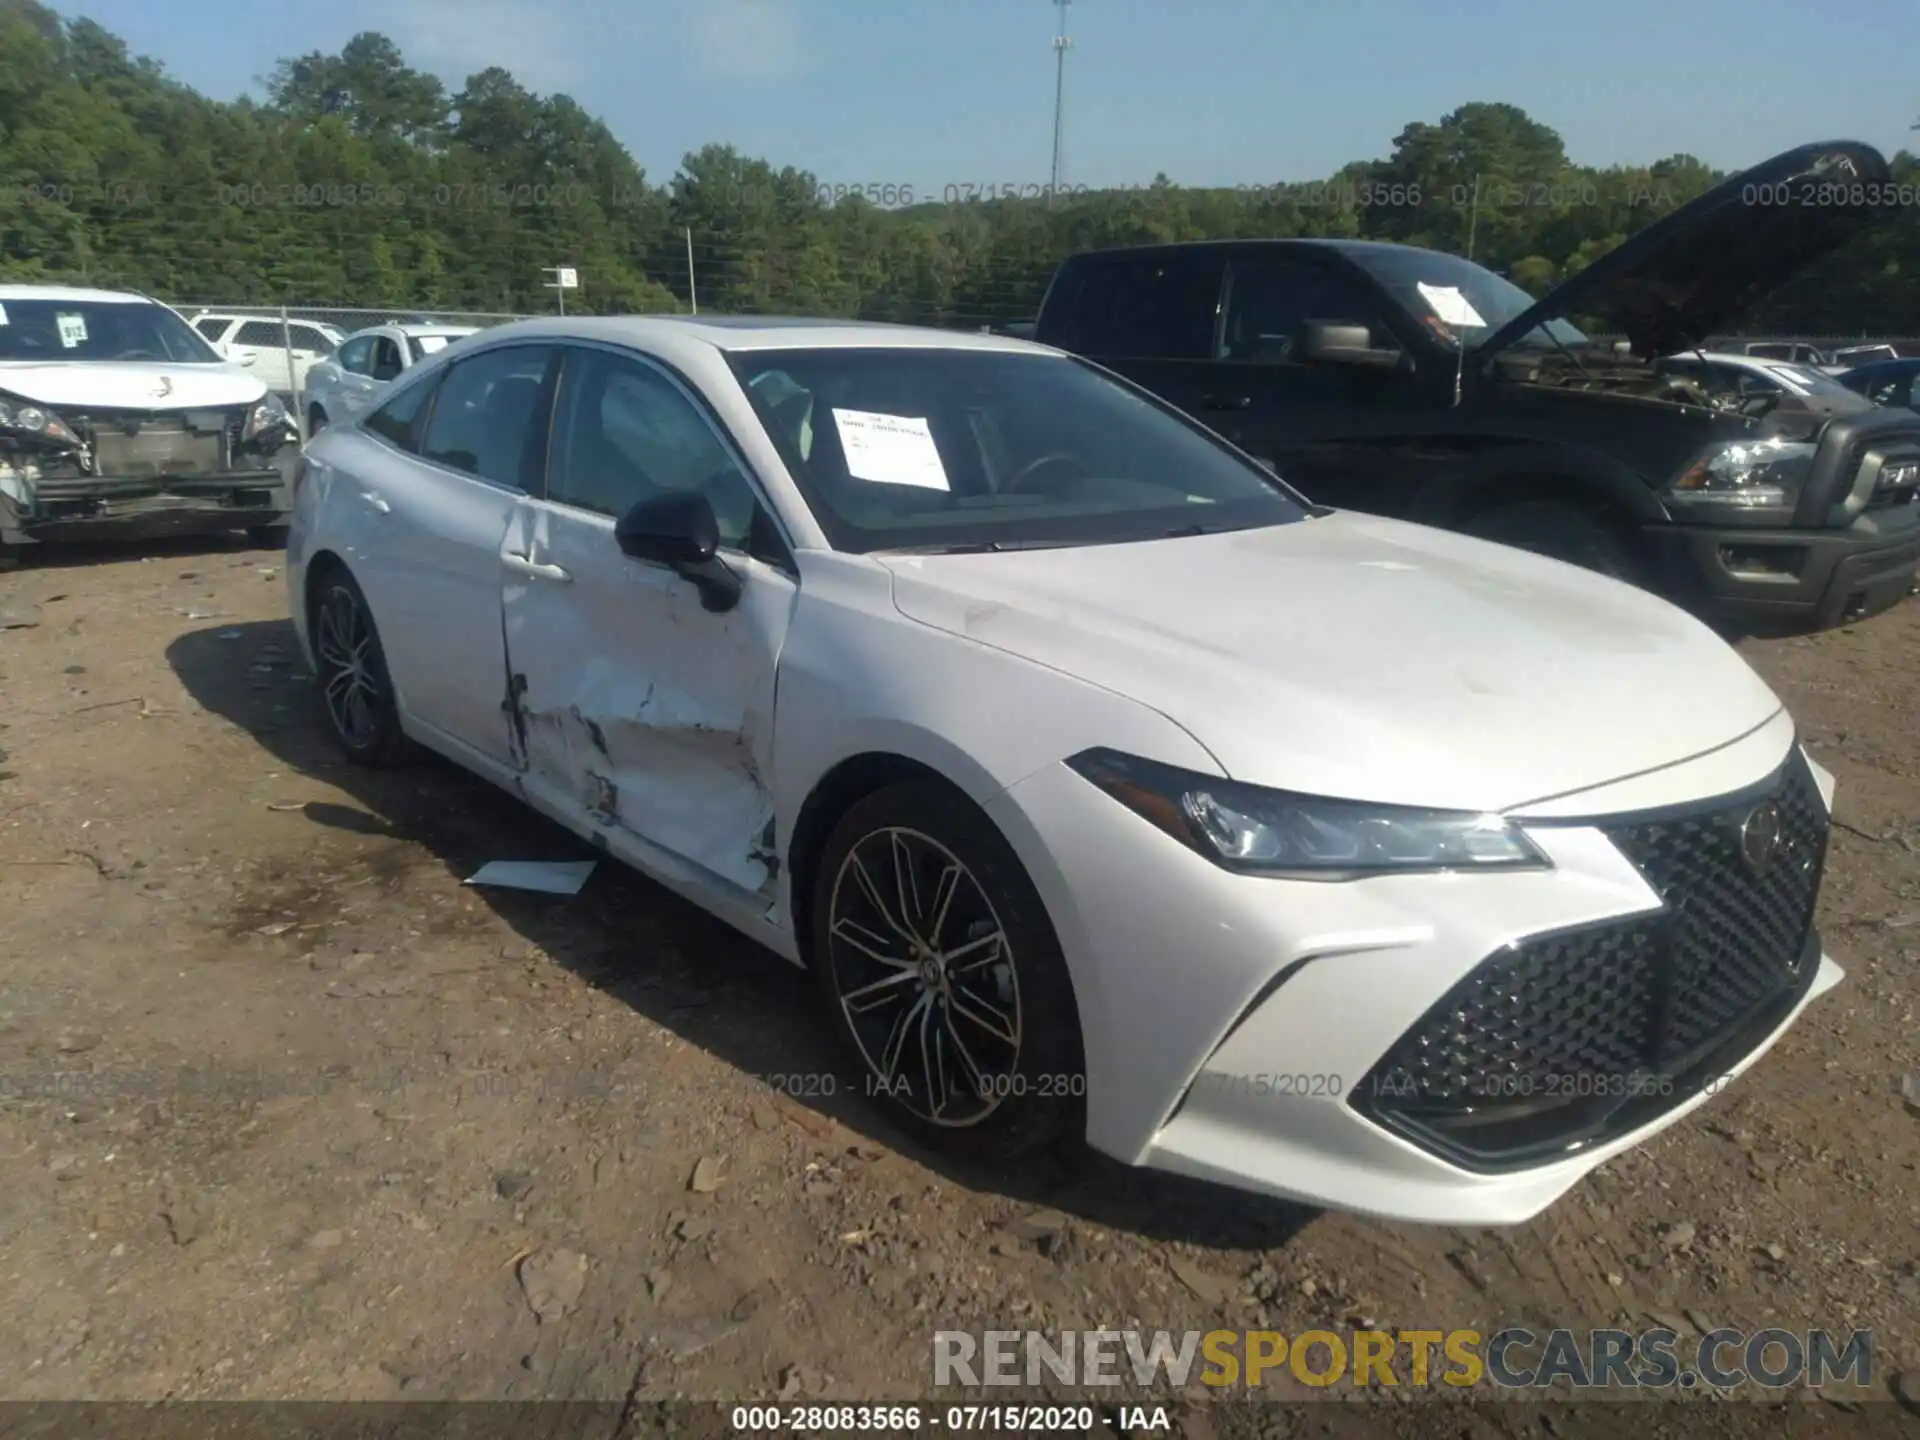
(269, 414)
(1747, 475)
(24, 420)
(1271, 832)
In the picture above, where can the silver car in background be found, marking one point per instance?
(349, 382)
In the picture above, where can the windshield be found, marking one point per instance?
(1458, 301)
(915, 448)
(93, 330)
(425, 345)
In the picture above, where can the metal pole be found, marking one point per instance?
(561, 291)
(1061, 44)
(1473, 217)
(293, 376)
(693, 298)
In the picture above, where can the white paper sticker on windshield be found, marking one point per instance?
(73, 329)
(1450, 305)
(3, 314)
(430, 343)
(890, 449)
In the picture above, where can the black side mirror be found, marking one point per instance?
(1327, 343)
(678, 530)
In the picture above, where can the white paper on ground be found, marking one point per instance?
(890, 449)
(1449, 304)
(549, 877)
(73, 329)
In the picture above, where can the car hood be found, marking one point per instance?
(130, 385)
(1680, 280)
(1364, 658)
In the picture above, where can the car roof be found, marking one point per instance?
(77, 294)
(730, 333)
(418, 329)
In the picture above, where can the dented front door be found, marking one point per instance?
(636, 707)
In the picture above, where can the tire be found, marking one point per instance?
(1562, 532)
(993, 1067)
(358, 700)
(316, 420)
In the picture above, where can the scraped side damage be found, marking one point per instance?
(663, 742)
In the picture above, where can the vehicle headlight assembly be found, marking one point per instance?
(1272, 832)
(267, 415)
(24, 420)
(1746, 475)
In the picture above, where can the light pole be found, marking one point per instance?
(1062, 43)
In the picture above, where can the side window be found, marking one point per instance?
(624, 432)
(387, 360)
(398, 421)
(488, 417)
(1150, 307)
(1269, 300)
(356, 356)
(310, 340)
(260, 333)
(211, 328)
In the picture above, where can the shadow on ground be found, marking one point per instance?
(662, 956)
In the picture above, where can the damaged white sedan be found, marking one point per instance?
(1103, 782)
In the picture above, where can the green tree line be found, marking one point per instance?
(359, 181)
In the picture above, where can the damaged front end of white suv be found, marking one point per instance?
(116, 419)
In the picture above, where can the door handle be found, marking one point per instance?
(532, 569)
(1226, 402)
(374, 503)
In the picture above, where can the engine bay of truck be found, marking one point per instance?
(1595, 369)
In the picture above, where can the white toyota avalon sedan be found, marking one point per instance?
(1104, 783)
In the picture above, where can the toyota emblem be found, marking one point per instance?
(1760, 836)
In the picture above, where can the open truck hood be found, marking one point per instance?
(1670, 286)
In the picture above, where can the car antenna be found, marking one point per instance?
(1459, 367)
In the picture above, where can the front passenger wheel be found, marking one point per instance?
(942, 974)
(352, 671)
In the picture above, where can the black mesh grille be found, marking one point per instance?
(1584, 1033)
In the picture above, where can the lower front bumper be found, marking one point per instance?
(1231, 1021)
(1791, 582)
(82, 507)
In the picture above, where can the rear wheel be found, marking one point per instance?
(352, 671)
(1562, 531)
(942, 974)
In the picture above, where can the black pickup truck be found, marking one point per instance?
(1417, 384)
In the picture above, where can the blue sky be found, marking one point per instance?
(935, 92)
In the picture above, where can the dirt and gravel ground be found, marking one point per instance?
(287, 1111)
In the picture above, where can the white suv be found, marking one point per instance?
(263, 345)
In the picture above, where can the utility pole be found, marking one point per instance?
(1061, 44)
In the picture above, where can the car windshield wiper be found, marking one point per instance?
(979, 547)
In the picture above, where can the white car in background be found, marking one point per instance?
(351, 380)
(118, 418)
(1741, 379)
(1105, 784)
(262, 345)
